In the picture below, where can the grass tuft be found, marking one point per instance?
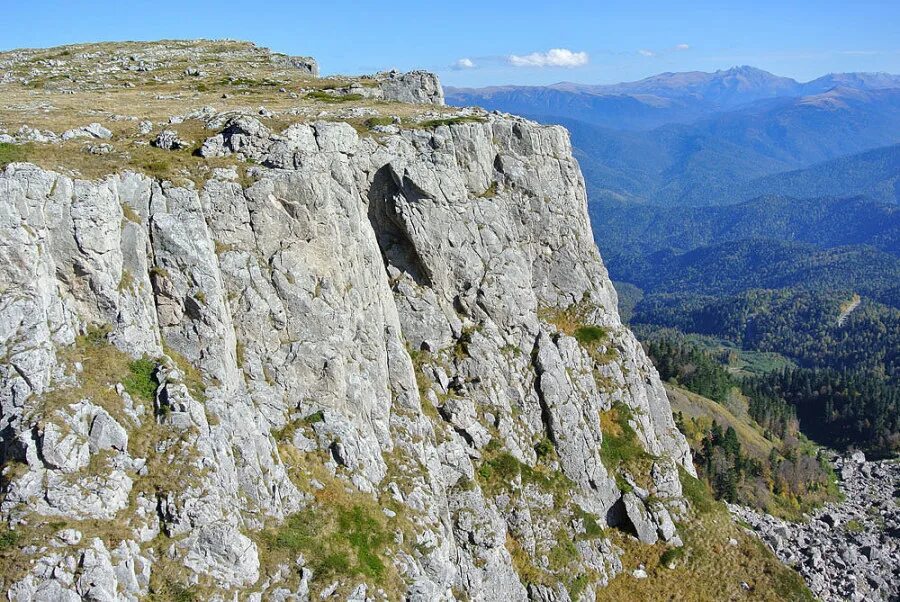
(591, 335)
(433, 123)
(141, 379)
(707, 567)
(372, 122)
(490, 192)
(696, 492)
(332, 98)
(341, 536)
(12, 153)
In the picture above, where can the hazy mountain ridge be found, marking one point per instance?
(874, 173)
(664, 98)
(824, 221)
(714, 160)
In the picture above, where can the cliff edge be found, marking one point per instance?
(343, 344)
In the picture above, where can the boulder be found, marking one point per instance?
(642, 521)
(170, 140)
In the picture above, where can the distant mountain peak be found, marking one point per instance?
(669, 97)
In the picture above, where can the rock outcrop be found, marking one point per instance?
(195, 378)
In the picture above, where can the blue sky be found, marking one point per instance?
(486, 43)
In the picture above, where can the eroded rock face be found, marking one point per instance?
(417, 87)
(387, 312)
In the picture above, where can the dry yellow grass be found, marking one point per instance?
(695, 406)
(103, 83)
(709, 569)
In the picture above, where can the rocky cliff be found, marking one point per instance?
(373, 363)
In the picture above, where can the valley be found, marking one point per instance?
(751, 226)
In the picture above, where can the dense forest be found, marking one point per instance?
(853, 406)
(814, 281)
(803, 325)
(841, 408)
(681, 362)
(788, 480)
(822, 220)
(730, 268)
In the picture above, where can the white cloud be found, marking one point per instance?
(682, 46)
(645, 52)
(555, 57)
(464, 63)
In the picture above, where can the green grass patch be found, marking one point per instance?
(318, 416)
(321, 96)
(573, 321)
(372, 122)
(172, 591)
(141, 379)
(590, 336)
(12, 153)
(696, 492)
(433, 123)
(338, 541)
(501, 471)
(671, 555)
(592, 526)
(8, 539)
(544, 449)
(854, 526)
(621, 447)
(564, 553)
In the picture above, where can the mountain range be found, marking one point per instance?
(716, 159)
(660, 99)
(758, 212)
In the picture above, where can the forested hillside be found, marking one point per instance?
(874, 174)
(716, 160)
(760, 213)
(824, 221)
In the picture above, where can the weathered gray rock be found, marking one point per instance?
(377, 309)
(417, 87)
(225, 554)
(644, 526)
(848, 549)
(170, 140)
(94, 130)
(306, 64)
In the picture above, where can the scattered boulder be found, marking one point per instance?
(106, 433)
(225, 554)
(640, 518)
(94, 130)
(170, 140)
(417, 87)
(846, 550)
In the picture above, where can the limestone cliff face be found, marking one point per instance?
(418, 321)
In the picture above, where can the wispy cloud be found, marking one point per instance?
(645, 52)
(859, 52)
(463, 63)
(555, 57)
(682, 46)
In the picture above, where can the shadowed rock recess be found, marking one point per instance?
(374, 365)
